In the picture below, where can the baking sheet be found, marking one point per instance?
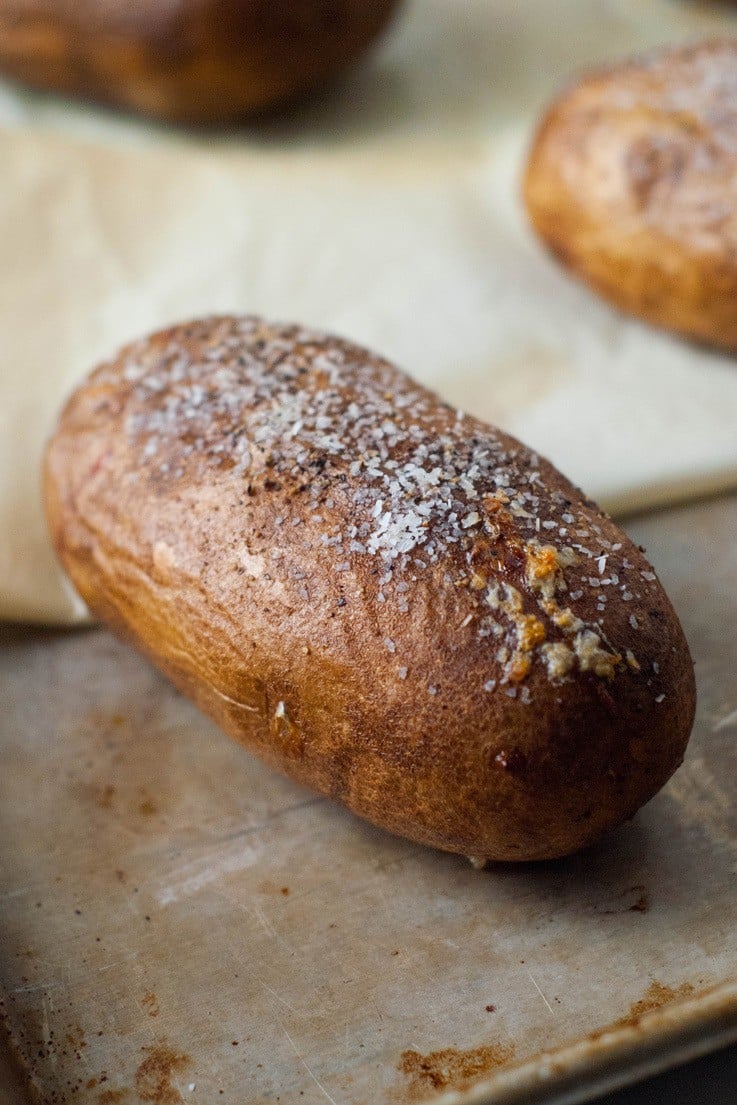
(389, 212)
(179, 923)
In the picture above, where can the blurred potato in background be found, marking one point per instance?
(195, 61)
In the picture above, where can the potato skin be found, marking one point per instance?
(394, 603)
(191, 61)
(632, 184)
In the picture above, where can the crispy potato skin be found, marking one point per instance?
(188, 61)
(379, 629)
(632, 184)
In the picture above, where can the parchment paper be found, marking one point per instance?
(387, 211)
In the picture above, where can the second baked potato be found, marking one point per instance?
(632, 184)
(196, 61)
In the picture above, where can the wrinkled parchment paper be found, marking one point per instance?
(387, 211)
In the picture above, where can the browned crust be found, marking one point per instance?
(631, 183)
(195, 61)
(212, 495)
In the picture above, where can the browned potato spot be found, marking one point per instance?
(197, 61)
(393, 602)
(632, 183)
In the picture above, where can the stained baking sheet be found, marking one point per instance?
(180, 924)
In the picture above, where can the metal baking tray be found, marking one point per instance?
(178, 923)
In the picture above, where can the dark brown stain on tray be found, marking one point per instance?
(636, 900)
(154, 1075)
(451, 1068)
(113, 1097)
(75, 1037)
(150, 1003)
(655, 997)
(124, 752)
(266, 886)
(103, 722)
(642, 905)
(103, 796)
(20, 1066)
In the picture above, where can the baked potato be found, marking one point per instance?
(192, 61)
(395, 604)
(632, 185)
